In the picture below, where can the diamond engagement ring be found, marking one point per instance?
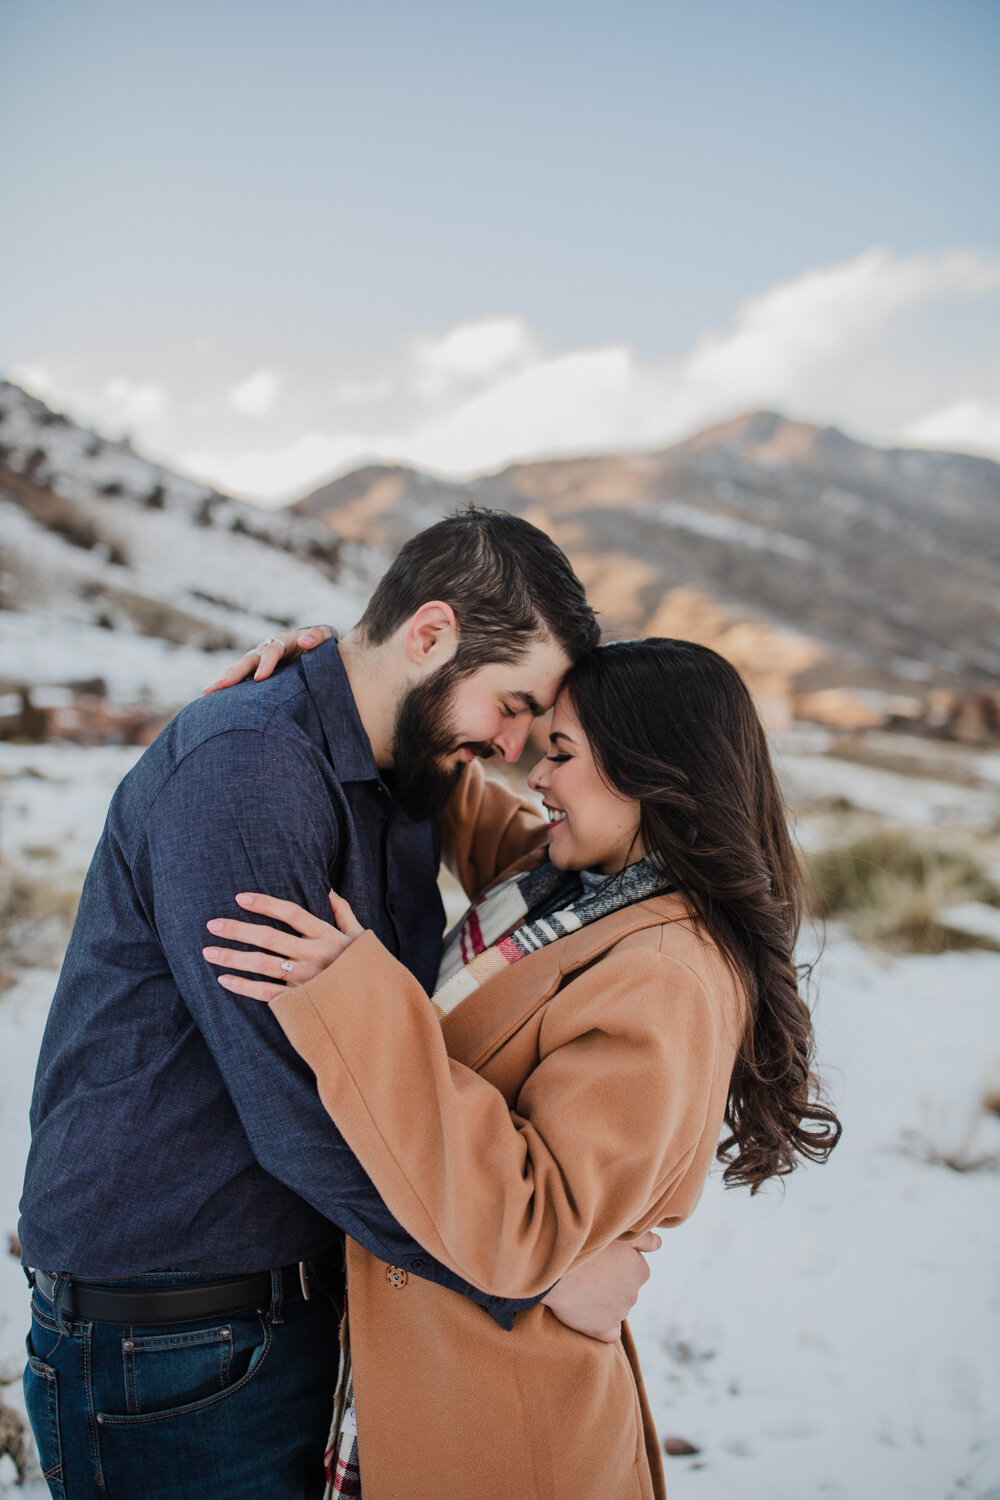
(272, 640)
(287, 966)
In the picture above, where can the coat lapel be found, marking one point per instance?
(481, 1024)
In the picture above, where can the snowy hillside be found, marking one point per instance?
(836, 1338)
(110, 560)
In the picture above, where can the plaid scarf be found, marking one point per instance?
(343, 1474)
(529, 911)
(515, 918)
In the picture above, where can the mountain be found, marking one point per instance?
(816, 562)
(850, 584)
(110, 560)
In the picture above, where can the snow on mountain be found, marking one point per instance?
(109, 561)
(888, 561)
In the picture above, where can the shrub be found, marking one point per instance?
(892, 888)
(36, 917)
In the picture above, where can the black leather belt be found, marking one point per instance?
(89, 1302)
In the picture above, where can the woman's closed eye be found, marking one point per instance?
(556, 758)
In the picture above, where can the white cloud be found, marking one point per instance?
(823, 346)
(363, 392)
(271, 475)
(470, 354)
(966, 424)
(254, 396)
(117, 405)
(124, 402)
(570, 402)
(780, 337)
(36, 380)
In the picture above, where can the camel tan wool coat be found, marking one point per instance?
(576, 1097)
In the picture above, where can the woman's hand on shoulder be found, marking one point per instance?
(289, 959)
(261, 660)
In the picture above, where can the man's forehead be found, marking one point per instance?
(535, 680)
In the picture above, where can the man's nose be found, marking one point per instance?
(512, 741)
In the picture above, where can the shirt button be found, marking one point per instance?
(417, 1264)
(396, 1276)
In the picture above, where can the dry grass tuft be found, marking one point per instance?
(893, 889)
(962, 1157)
(36, 917)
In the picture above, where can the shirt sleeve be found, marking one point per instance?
(249, 811)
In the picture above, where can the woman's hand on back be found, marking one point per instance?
(596, 1296)
(260, 661)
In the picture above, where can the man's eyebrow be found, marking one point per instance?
(530, 702)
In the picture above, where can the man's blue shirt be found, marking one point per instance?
(173, 1126)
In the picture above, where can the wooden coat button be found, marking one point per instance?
(396, 1276)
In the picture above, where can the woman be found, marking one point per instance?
(609, 1003)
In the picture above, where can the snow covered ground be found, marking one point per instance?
(838, 1338)
(841, 1338)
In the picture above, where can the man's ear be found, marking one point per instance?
(430, 637)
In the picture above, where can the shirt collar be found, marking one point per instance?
(349, 746)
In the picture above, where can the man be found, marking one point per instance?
(184, 1182)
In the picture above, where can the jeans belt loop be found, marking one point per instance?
(274, 1311)
(61, 1283)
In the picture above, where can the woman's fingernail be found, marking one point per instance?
(215, 925)
(307, 640)
(225, 980)
(210, 952)
(244, 899)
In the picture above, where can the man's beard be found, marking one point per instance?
(423, 735)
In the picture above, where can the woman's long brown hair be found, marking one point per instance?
(673, 726)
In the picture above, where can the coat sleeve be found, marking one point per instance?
(486, 827)
(608, 1119)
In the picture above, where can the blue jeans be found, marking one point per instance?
(237, 1406)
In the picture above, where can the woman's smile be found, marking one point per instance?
(556, 815)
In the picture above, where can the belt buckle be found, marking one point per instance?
(305, 1279)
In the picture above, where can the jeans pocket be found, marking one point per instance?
(41, 1398)
(169, 1373)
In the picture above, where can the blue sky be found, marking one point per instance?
(317, 196)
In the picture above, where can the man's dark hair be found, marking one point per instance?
(507, 582)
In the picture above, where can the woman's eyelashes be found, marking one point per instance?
(555, 759)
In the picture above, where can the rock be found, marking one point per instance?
(843, 708)
(677, 1447)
